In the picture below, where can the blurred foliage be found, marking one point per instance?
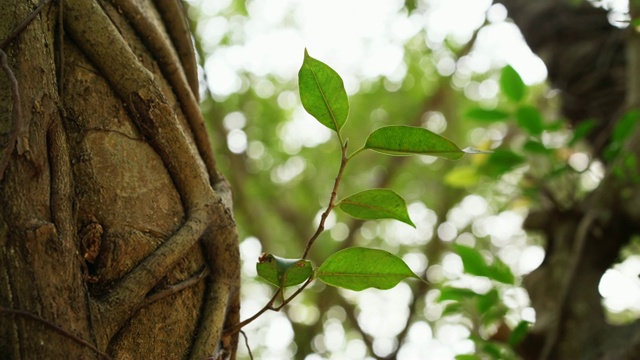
(468, 241)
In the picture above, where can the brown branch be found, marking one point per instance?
(176, 23)
(169, 62)
(175, 288)
(58, 329)
(246, 343)
(23, 24)
(332, 199)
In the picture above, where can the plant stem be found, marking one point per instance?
(332, 199)
(334, 193)
(269, 306)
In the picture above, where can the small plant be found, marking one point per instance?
(356, 268)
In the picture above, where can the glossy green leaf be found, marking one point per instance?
(322, 93)
(283, 272)
(358, 268)
(511, 84)
(408, 140)
(376, 204)
(529, 118)
(487, 116)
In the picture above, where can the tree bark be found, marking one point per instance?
(588, 62)
(111, 207)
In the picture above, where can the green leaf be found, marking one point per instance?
(408, 140)
(511, 84)
(624, 126)
(519, 333)
(487, 116)
(467, 357)
(322, 93)
(535, 147)
(501, 272)
(529, 118)
(488, 301)
(472, 261)
(358, 268)
(582, 130)
(454, 308)
(283, 272)
(462, 177)
(502, 161)
(475, 264)
(376, 204)
(456, 294)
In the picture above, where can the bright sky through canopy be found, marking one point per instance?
(364, 40)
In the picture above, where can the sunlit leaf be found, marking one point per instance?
(283, 272)
(511, 84)
(529, 118)
(376, 204)
(358, 268)
(408, 140)
(483, 115)
(322, 93)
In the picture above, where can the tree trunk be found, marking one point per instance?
(114, 223)
(588, 61)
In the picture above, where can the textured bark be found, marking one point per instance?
(110, 186)
(587, 61)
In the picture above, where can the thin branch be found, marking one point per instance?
(172, 289)
(246, 343)
(569, 276)
(23, 24)
(65, 333)
(269, 306)
(332, 199)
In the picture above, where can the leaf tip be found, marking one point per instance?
(474, 151)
